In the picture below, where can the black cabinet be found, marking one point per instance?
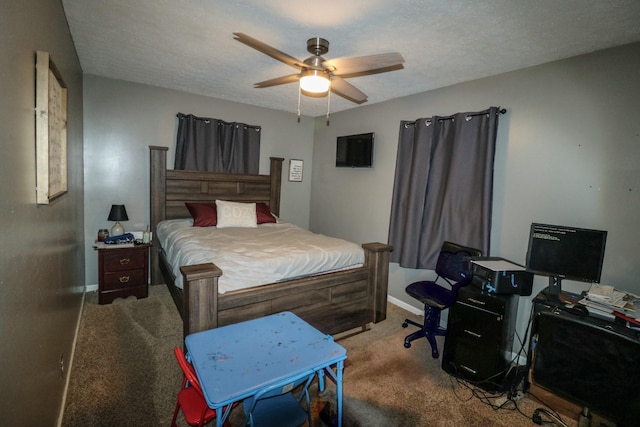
(479, 339)
(588, 361)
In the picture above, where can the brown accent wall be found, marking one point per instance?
(41, 250)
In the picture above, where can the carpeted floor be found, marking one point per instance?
(124, 374)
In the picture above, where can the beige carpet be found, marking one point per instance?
(124, 374)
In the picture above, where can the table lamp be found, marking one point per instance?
(118, 213)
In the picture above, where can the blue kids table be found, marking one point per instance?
(234, 362)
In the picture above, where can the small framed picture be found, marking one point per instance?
(295, 170)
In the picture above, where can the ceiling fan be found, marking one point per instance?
(318, 75)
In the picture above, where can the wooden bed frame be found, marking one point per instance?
(332, 302)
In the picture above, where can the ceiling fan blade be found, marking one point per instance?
(278, 81)
(363, 64)
(346, 90)
(370, 72)
(268, 50)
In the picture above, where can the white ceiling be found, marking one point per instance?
(188, 45)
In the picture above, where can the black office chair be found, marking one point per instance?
(454, 267)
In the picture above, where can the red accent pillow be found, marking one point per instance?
(263, 213)
(204, 214)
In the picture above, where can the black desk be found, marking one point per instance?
(587, 360)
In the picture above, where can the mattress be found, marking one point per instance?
(250, 257)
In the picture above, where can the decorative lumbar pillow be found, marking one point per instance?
(263, 214)
(234, 214)
(203, 214)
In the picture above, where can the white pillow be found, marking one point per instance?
(234, 214)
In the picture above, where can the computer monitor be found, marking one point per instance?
(562, 252)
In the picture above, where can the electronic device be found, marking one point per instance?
(588, 361)
(500, 276)
(355, 151)
(565, 253)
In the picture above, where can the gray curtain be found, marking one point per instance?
(443, 186)
(214, 145)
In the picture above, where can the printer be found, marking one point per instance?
(500, 276)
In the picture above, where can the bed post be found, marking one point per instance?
(275, 171)
(200, 302)
(376, 259)
(158, 193)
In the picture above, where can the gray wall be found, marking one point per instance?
(41, 256)
(122, 119)
(568, 152)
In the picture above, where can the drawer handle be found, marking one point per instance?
(125, 261)
(124, 279)
(473, 334)
(468, 369)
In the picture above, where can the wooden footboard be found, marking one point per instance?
(333, 302)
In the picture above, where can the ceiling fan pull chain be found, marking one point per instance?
(328, 104)
(299, 90)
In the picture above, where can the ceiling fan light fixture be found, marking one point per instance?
(314, 81)
(318, 77)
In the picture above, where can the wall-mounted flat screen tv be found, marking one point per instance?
(355, 151)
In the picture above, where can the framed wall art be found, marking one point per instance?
(295, 170)
(51, 131)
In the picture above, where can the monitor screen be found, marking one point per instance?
(566, 252)
(355, 151)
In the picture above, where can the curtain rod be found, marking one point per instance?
(500, 111)
(182, 115)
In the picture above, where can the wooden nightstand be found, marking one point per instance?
(123, 272)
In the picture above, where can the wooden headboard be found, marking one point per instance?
(170, 189)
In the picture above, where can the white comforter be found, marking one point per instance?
(251, 257)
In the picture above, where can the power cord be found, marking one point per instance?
(495, 400)
(513, 392)
(553, 415)
(537, 418)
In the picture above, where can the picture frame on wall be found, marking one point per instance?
(51, 131)
(296, 167)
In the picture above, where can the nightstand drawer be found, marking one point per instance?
(124, 260)
(123, 272)
(124, 279)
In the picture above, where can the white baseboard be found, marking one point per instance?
(70, 362)
(405, 306)
(520, 360)
(91, 288)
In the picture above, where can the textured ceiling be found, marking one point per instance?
(188, 45)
